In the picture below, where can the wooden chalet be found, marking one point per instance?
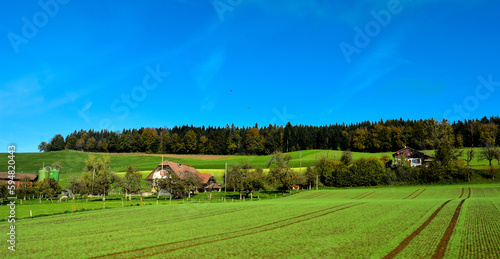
(18, 177)
(413, 156)
(168, 167)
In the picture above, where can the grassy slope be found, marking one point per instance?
(74, 161)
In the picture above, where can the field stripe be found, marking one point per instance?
(470, 191)
(415, 233)
(252, 233)
(441, 248)
(366, 195)
(461, 194)
(411, 194)
(419, 193)
(349, 204)
(360, 195)
(312, 196)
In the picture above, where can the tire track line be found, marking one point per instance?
(360, 195)
(415, 233)
(441, 248)
(312, 196)
(470, 191)
(411, 194)
(223, 234)
(461, 194)
(366, 195)
(419, 193)
(252, 233)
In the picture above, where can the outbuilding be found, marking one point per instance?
(18, 177)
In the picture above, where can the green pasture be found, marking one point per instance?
(332, 223)
(73, 161)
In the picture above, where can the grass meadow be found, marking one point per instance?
(412, 221)
(73, 161)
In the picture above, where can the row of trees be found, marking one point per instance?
(446, 165)
(47, 188)
(97, 179)
(366, 136)
(244, 178)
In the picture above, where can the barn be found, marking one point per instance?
(169, 167)
(18, 177)
(413, 156)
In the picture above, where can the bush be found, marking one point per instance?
(367, 172)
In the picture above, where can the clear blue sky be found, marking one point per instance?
(70, 65)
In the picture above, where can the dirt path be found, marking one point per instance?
(415, 233)
(167, 155)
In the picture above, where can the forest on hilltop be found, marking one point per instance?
(381, 136)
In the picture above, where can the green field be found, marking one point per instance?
(418, 221)
(73, 161)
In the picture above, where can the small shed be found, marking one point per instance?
(18, 177)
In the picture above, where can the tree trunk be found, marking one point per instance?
(240, 194)
(104, 194)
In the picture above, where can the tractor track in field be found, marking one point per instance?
(360, 195)
(441, 248)
(419, 193)
(462, 194)
(410, 194)
(364, 196)
(349, 205)
(252, 233)
(312, 196)
(415, 233)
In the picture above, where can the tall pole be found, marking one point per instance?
(225, 177)
(93, 175)
(300, 162)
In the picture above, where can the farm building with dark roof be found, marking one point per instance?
(18, 177)
(413, 156)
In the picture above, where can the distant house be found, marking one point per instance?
(413, 156)
(18, 177)
(168, 167)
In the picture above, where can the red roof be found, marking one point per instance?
(179, 170)
(205, 177)
(18, 176)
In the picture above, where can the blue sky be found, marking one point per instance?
(67, 65)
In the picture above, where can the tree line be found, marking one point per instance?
(382, 136)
